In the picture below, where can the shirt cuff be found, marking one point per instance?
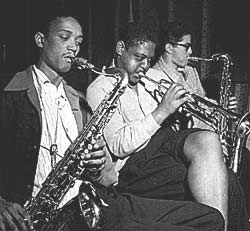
(150, 125)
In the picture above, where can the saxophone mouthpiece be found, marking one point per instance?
(199, 59)
(82, 63)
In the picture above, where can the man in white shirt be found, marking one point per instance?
(155, 161)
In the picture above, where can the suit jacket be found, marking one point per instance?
(20, 128)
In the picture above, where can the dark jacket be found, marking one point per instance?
(20, 128)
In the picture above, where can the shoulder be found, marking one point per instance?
(20, 81)
(156, 66)
(102, 83)
(156, 74)
(75, 95)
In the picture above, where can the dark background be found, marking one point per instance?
(102, 20)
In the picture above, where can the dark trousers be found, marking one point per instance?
(126, 212)
(160, 171)
(244, 175)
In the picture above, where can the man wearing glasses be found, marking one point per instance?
(175, 49)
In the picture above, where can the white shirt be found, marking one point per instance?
(58, 127)
(132, 125)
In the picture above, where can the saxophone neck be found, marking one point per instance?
(222, 56)
(214, 58)
(118, 73)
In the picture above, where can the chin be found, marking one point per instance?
(135, 81)
(65, 69)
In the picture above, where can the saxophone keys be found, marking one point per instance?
(90, 147)
(82, 144)
(81, 163)
(86, 151)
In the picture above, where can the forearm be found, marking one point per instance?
(126, 138)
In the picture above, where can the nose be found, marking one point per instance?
(145, 63)
(190, 51)
(72, 46)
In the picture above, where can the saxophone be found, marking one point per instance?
(224, 125)
(231, 129)
(43, 208)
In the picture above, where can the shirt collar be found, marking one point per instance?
(175, 74)
(41, 77)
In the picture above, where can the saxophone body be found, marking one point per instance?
(232, 128)
(241, 131)
(224, 125)
(43, 208)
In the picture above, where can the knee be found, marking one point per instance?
(203, 145)
(215, 219)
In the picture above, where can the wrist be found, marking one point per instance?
(160, 116)
(93, 174)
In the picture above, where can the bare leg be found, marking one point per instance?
(207, 174)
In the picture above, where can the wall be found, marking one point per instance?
(102, 20)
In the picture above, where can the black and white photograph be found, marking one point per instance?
(125, 115)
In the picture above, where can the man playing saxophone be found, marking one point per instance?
(41, 115)
(173, 63)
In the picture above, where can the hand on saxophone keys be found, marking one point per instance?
(94, 159)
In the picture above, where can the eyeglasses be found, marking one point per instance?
(186, 45)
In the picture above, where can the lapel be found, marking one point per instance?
(24, 81)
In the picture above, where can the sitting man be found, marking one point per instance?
(39, 110)
(175, 50)
(153, 160)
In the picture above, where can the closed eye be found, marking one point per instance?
(64, 38)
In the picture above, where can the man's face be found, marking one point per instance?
(62, 44)
(181, 51)
(137, 59)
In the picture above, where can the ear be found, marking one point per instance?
(168, 48)
(120, 47)
(39, 39)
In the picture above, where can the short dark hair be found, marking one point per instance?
(140, 31)
(172, 32)
(53, 16)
